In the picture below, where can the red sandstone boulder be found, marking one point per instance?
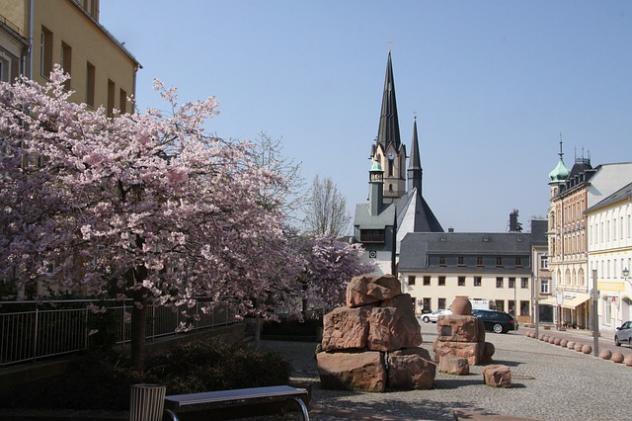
(471, 351)
(628, 360)
(570, 345)
(557, 341)
(578, 347)
(367, 289)
(563, 343)
(345, 328)
(454, 365)
(461, 306)
(393, 327)
(460, 329)
(488, 352)
(605, 354)
(617, 357)
(497, 375)
(586, 349)
(362, 371)
(410, 368)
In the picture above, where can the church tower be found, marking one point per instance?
(415, 173)
(388, 150)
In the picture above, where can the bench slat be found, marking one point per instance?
(236, 395)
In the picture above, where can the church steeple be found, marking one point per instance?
(415, 173)
(388, 131)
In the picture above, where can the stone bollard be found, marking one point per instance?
(146, 402)
(586, 349)
(563, 343)
(605, 354)
(628, 360)
(570, 345)
(557, 341)
(578, 347)
(617, 357)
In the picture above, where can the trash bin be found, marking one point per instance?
(146, 402)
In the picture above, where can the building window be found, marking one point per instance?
(390, 188)
(511, 283)
(426, 281)
(544, 286)
(511, 307)
(372, 236)
(477, 281)
(111, 91)
(499, 261)
(524, 307)
(461, 281)
(390, 168)
(441, 260)
(441, 281)
(518, 261)
(544, 261)
(4, 70)
(479, 260)
(66, 61)
(427, 305)
(524, 283)
(441, 303)
(461, 261)
(90, 75)
(122, 101)
(499, 282)
(500, 305)
(411, 280)
(46, 52)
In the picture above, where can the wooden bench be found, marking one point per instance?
(233, 398)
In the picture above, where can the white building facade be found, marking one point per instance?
(610, 254)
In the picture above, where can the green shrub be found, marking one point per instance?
(100, 380)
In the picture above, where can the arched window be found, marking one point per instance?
(390, 167)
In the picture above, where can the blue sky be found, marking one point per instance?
(493, 84)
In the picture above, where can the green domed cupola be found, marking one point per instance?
(560, 172)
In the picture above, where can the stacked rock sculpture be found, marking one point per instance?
(372, 343)
(462, 335)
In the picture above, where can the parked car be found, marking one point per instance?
(496, 321)
(624, 334)
(434, 316)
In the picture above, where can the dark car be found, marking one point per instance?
(496, 321)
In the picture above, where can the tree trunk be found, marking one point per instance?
(138, 337)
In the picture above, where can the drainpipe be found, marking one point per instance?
(31, 26)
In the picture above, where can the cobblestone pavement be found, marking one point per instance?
(550, 383)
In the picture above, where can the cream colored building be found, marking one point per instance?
(610, 254)
(68, 33)
(572, 192)
(493, 268)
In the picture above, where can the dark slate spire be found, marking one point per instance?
(388, 132)
(414, 167)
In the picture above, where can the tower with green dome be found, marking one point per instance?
(560, 173)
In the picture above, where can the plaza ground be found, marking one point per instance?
(550, 383)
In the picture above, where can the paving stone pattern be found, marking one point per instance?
(549, 383)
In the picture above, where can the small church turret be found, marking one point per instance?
(415, 172)
(376, 189)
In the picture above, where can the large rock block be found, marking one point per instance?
(460, 329)
(362, 371)
(393, 327)
(367, 289)
(488, 352)
(345, 328)
(497, 375)
(471, 351)
(454, 365)
(410, 368)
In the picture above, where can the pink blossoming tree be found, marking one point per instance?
(144, 206)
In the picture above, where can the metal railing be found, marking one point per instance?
(42, 331)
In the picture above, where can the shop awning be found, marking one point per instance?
(574, 300)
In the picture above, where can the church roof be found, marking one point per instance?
(424, 218)
(388, 130)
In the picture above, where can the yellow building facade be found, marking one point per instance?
(68, 33)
